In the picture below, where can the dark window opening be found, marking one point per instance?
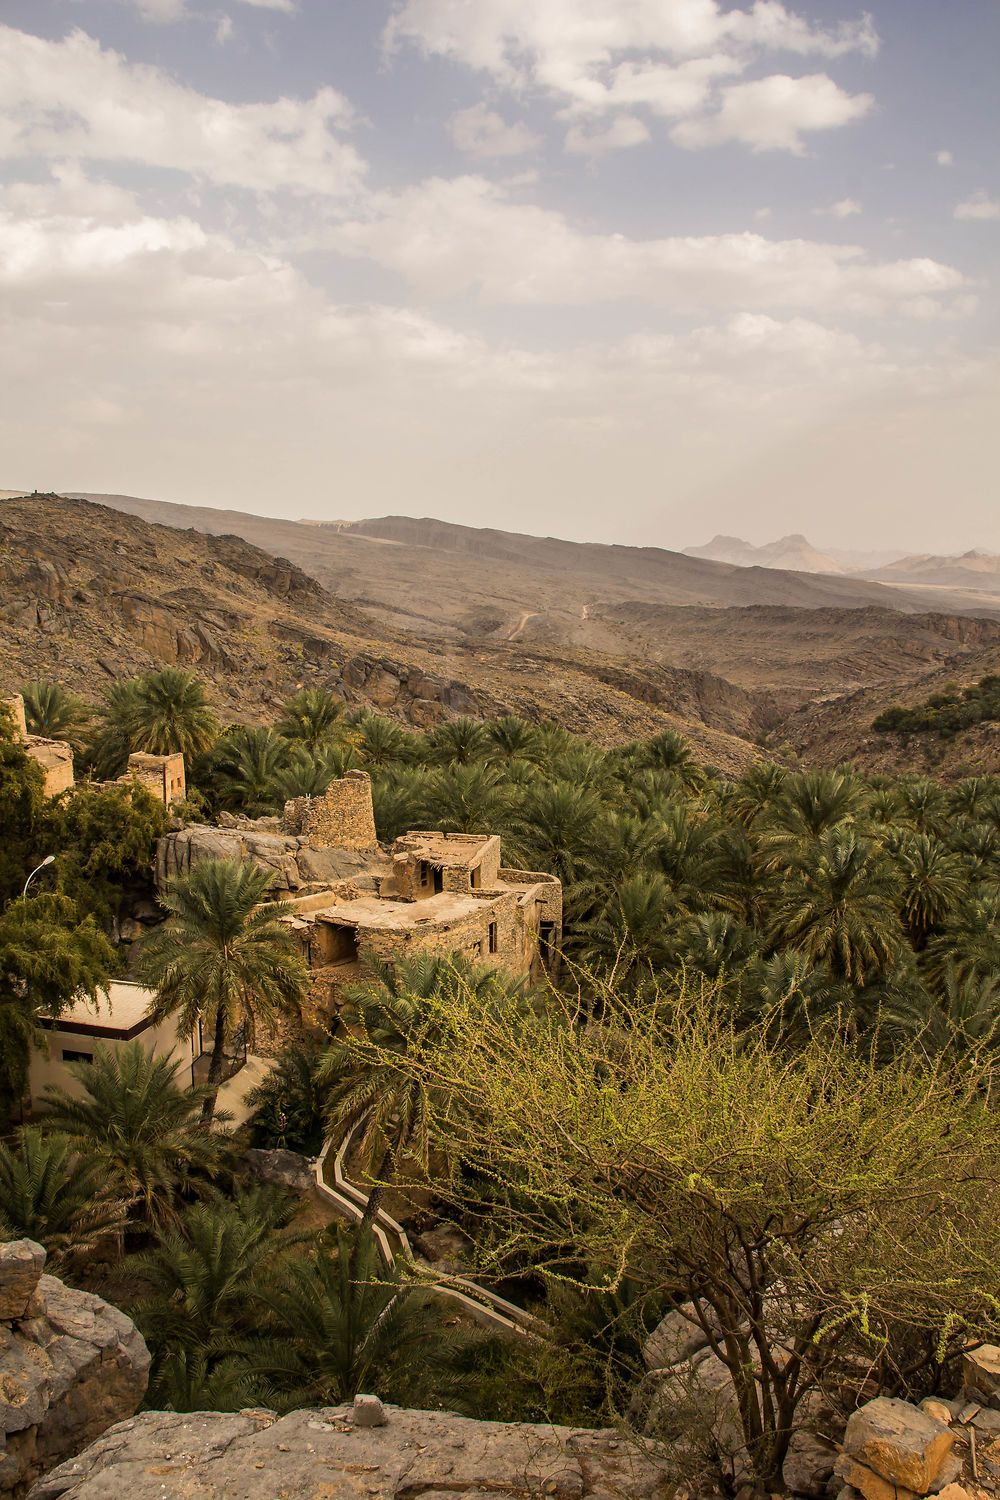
(438, 879)
(70, 1056)
(338, 945)
(476, 878)
(494, 939)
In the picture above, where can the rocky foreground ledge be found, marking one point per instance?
(331, 1452)
(70, 1365)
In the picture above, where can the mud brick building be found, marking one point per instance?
(351, 897)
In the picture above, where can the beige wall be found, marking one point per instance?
(52, 1069)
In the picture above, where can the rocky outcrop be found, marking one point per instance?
(292, 863)
(70, 1366)
(335, 1451)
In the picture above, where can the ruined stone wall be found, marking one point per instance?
(343, 818)
(56, 760)
(469, 935)
(163, 775)
(15, 707)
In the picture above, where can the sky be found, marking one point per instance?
(634, 271)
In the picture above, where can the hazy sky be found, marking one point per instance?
(629, 270)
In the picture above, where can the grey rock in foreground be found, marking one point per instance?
(70, 1366)
(255, 1455)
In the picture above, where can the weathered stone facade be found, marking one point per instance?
(163, 775)
(431, 891)
(54, 756)
(342, 818)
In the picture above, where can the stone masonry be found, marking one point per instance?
(342, 818)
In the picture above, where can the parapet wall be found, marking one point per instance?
(343, 818)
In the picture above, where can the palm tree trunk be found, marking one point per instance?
(215, 1066)
(375, 1197)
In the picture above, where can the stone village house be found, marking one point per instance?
(351, 896)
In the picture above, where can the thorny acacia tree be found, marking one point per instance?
(830, 1218)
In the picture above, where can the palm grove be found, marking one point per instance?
(765, 1082)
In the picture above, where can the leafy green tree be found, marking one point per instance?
(22, 797)
(632, 933)
(106, 838)
(338, 1322)
(55, 714)
(138, 1125)
(48, 956)
(223, 958)
(311, 718)
(785, 1193)
(51, 1194)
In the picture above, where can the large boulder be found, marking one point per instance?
(255, 1455)
(70, 1366)
(21, 1265)
(897, 1442)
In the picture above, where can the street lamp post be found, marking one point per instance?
(48, 860)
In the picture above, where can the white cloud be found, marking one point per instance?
(164, 11)
(667, 56)
(482, 132)
(944, 158)
(979, 206)
(771, 114)
(453, 236)
(624, 131)
(73, 99)
(224, 30)
(844, 208)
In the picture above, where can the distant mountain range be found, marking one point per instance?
(792, 552)
(979, 571)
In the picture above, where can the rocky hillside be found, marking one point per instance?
(90, 594)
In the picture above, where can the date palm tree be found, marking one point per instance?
(933, 883)
(55, 714)
(364, 1074)
(244, 769)
(223, 958)
(138, 1125)
(338, 1322)
(52, 1194)
(459, 742)
(837, 905)
(201, 1275)
(311, 718)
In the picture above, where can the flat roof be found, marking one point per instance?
(434, 911)
(455, 849)
(121, 1011)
